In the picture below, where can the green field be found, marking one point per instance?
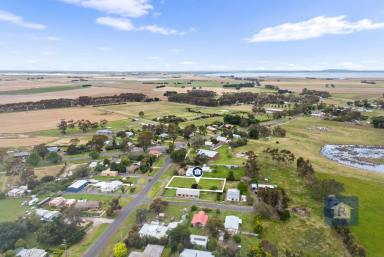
(304, 139)
(40, 90)
(187, 182)
(11, 209)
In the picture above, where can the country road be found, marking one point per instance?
(141, 198)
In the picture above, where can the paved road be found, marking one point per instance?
(141, 198)
(223, 207)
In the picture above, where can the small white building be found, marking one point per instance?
(195, 253)
(53, 149)
(105, 132)
(199, 240)
(221, 139)
(163, 135)
(109, 186)
(18, 192)
(256, 187)
(236, 136)
(232, 224)
(208, 143)
(233, 195)
(189, 193)
(34, 252)
(129, 134)
(210, 154)
(211, 128)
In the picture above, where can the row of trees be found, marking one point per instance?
(83, 125)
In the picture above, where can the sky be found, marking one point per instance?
(188, 35)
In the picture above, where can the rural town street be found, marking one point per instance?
(141, 198)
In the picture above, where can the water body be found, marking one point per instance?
(331, 74)
(359, 156)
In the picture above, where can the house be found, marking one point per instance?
(93, 165)
(211, 128)
(53, 149)
(233, 195)
(154, 152)
(149, 251)
(34, 201)
(195, 253)
(105, 132)
(69, 202)
(77, 186)
(188, 193)
(21, 154)
(318, 114)
(189, 172)
(222, 140)
(199, 240)
(56, 202)
(109, 186)
(34, 252)
(200, 219)
(18, 192)
(256, 187)
(163, 135)
(46, 215)
(232, 224)
(84, 205)
(109, 173)
(208, 143)
(236, 136)
(129, 134)
(210, 154)
(273, 110)
(156, 229)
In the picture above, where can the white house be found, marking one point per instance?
(211, 128)
(208, 153)
(34, 252)
(195, 253)
(105, 132)
(199, 240)
(163, 135)
(233, 195)
(156, 229)
(129, 134)
(109, 186)
(188, 193)
(221, 139)
(232, 224)
(18, 192)
(208, 143)
(256, 187)
(53, 149)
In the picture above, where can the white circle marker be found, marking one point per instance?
(197, 173)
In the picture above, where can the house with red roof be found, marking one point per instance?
(200, 219)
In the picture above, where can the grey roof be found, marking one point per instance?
(195, 253)
(150, 251)
(232, 222)
(188, 191)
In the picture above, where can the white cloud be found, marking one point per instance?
(55, 39)
(117, 23)
(19, 21)
(127, 8)
(161, 30)
(153, 58)
(176, 50)
(313, 28)
(187, 63)
(126, 25)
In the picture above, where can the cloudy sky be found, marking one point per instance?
(133, 35)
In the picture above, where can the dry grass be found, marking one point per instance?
(48, 171)
(22, 122)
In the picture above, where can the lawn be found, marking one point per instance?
(11, 209)
(204, 183)
(304, 139)
(223, 172)
(80, 248)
